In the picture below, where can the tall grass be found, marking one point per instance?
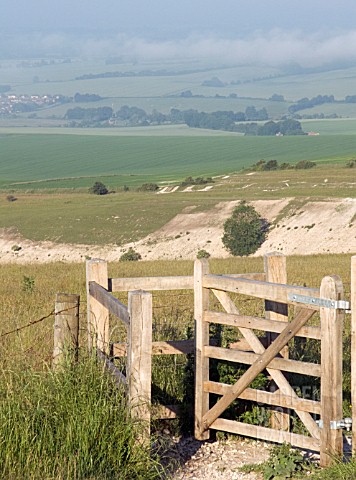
(73, 423)
(70, 424)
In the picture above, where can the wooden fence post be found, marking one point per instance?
(275, 266)
(201, 304)
(98, 316)
(66, 328)
(331, 321)
(353, 352)
(139, 356)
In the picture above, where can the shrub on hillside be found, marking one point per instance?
(98, 189)
(244, 231)
(305, 164)
(148, 187)
(203, 254)
(130, 256)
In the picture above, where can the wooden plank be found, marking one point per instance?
(257, 367)
(66, 329)
(139, 359)
(250, 276)
(151, 283)
(116, 373)
(105, 298)
(277, 376)
(166, 283)
(201, 303)
(171, 347)
(275, 266)
(258, 323)
(331, 321)
(267, 434)
(98, 315)
(353, 352)
(247, 358)
(267, 398)
(265, 290)
(165, 412)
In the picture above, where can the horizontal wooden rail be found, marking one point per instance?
(166, 283)
(151, 283)
(274, 399)
(172, 347)
(248, 358)
(258, 323)
(114, 306)
(268, 434)
(255, 288)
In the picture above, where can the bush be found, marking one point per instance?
(351, 163)
(203, 254)
(98, 189)
(148, 187)
(304, 165)
(130, 256)
(28, 284)
(244, 231)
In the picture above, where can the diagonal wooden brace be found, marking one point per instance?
(277, 375)
(287, 334)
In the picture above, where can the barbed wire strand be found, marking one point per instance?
(34, 322)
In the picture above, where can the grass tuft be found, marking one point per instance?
(69, 424)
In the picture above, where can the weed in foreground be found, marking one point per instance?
(71, 424)
(284, 462)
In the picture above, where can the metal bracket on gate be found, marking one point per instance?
(320, 302)
(337, 424)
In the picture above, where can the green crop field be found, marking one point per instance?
(338, 126)
(28, 158)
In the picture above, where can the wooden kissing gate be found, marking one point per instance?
(323, 435)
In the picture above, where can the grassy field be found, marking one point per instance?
(78, 217)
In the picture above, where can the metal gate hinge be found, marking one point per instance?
(337, 424)
(320, 302)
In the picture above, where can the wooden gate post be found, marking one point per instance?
(98, 316)
(275, 266)
(331, 322)
(139, 356)
(66, 328)
(201, 303)
(353, 352)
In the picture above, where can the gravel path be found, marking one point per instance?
(218, 460)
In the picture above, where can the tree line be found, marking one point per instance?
(306, 102)
(219, 120)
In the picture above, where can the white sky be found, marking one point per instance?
(309, 32)
(215, 16)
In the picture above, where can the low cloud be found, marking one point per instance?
(274, 48)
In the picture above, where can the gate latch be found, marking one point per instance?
(337, 424)
(320, 302)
